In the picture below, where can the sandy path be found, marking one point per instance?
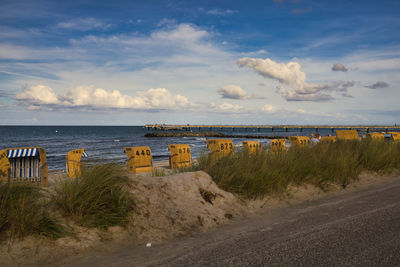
(354, 227)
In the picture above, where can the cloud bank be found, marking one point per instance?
(42, 96)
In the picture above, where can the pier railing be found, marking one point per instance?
(188, 127)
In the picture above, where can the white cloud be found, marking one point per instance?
(162, 98)
(291, 95)
(85, 24)
(171, 34)
(87, 96)
(226, 107)
(162, 45)
(255, 53)
(339, 86)
(233, 92)
(221, 12)
(236, 92)
(100, 98)
(290, 74)
(183, 32)
(269, 109)
(39, 94)
(339, 67)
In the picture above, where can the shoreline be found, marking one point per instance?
(162, 163)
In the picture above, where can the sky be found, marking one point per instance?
(199, 62)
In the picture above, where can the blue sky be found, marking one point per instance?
(225, 62)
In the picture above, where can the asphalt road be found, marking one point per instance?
(360, 228)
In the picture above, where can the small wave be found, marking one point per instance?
(116, 140)
(200, 139)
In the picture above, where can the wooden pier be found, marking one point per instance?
(188, 127)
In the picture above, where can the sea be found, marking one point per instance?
(106, 143)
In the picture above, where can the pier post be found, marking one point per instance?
(316, 130)
(286, 129)
(258, 129)
(333, 130)
(301, 129)
(272, 129)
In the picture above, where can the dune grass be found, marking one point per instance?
(158, 172)
(255, 175)
(24, 211)
(99, 198)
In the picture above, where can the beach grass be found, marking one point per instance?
(24, 210)
(100, 197)
(158, 172)
(255, 175)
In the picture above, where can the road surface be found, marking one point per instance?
(359, 228)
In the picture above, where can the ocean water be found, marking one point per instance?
(106, 143)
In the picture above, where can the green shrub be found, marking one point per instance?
(339, 163)
(24, 211)
(99, 198)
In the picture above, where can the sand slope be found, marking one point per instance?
(167, 207)
(170, 206)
